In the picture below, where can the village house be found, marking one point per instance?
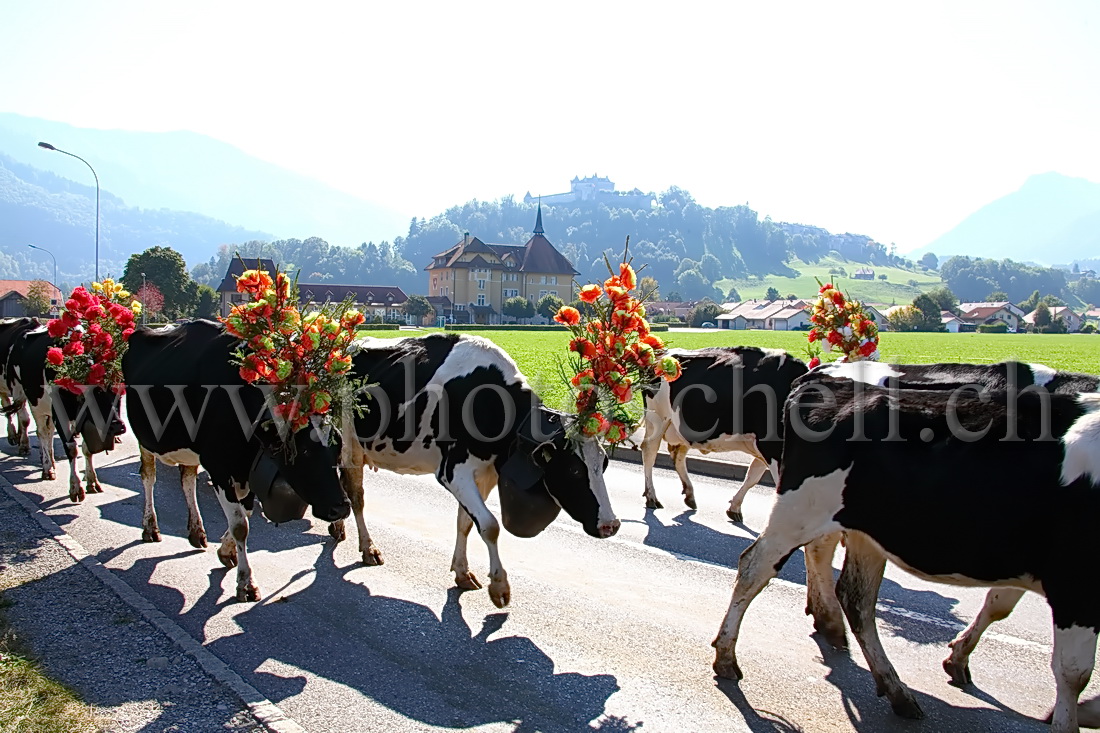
(676, 309)
(1072, 320)
(469, 282)
(975, 314)
(769, 315)
(13, 297)
(950, 321)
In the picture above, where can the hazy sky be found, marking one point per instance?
(890, 119)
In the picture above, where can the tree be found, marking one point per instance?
(930, 318)
(649, 289)
(152, 302)
(710, 267)
(997, 296)
(37, 302)
(418, 307)
(882, 276)
(518, 307)
(163, 267)
(206, 303)
(1031, 303)
(674, 297)
(929, 261)
(705, 310)
(1042, 317)
(733, 296)
(548, 305)
(693, 285)
(905, 318)
(771, 294)
(944, 299)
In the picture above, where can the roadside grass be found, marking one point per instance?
(30, 702)
(539, 354)
(895, 289)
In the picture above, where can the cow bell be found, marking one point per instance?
(278, 501)
(95, 441)
(526, 507)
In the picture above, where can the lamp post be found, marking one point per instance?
(47, 146)
(143, 294)
(43, 249)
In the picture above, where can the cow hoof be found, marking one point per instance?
(373, 556)
(95, 488)
(735, 516)
(76, 496)
(245, 595)
(726, 668)
(467, 581)
(197, 538)
(150, 535)
(500, 593)
(337, 531)
(690, 501)
(906, 706)
(834, 637)
(24, 450)
(959, 673)
(49, 475)
(653, 504)
(227, 559)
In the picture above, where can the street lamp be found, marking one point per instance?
(143, 294)
(43, 249)
(47, 146)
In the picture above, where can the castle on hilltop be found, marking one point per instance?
(595, 189)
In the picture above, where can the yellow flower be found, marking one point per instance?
(123, 294)
(136, 308)
(97, 287)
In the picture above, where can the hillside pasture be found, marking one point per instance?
(540, 355)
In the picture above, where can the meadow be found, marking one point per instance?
(540, 354)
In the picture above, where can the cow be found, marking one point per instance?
(30, 379)
(728, 398)
(457, 406)
(1013, 376)
(188, 405)
(866, 460)
(11, 330)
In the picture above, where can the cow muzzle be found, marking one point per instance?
(332, 513)
(608, 529)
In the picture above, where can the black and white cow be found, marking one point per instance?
(30, 379)
(821, 600)
(728, 398)
(867, 460)
(11, 330)
(188, 405)
(457, 407)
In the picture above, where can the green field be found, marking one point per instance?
(894, 290)
(539, 354)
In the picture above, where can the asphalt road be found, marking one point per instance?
(612, 635)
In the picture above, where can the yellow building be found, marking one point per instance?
(471, 280)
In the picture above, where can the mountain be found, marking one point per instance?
(1051, 218)
(185, 171)
(58, 215)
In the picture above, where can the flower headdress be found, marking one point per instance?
(95, 328)
(612, 352)
(303, 357)
(841, 323)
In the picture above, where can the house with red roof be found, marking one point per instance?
(13, 296)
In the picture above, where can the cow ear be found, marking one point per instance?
(546, 454)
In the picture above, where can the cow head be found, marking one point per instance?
(94, 414)
(548, 471)
(306, 469)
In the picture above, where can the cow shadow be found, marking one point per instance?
(439, 671)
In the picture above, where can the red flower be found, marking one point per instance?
(67, 383)
(127, 333)
(253, 281)
(814, 362)
(868, 348)
(838, 298)
(590, 293)
(95, 312)
(56, 328)
(814, 336)
(834, 337)
(568, 316)
(73, 348)
(826, 286)
(55, 356)
(627, 276)
(584, 347)
(96, 373)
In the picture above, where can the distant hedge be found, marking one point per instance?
(379, 326)
(524, 327)
(998, 327)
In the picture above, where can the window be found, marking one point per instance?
(459, 307)
(481, 300)
(480, 284)
(553, 279)
(543, 282)
(542, 293)
(511, 293)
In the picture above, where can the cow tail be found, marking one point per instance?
(14, 407)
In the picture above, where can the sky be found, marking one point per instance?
(895, 120)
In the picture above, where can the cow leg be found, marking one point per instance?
(864, 565)
(351, 478)
(999, 602)
(196, 532)
(651, 444)
(43, 426)
(76, 488)
(678, 453)
(237, 516)
(821, 600)
(24, 418)
(91, 481)
(471, 494)
(150, 531)
(1072, 663)
(5, 402)
(753, 475)
(1088, 713)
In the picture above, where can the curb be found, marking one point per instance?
(267, 713)
(696, 464)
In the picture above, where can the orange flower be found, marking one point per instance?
(590, 293)
(584, 347)
(253, 281)
(568, 315)
(627, 277)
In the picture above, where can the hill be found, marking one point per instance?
(1051, 218)
(184, 171)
